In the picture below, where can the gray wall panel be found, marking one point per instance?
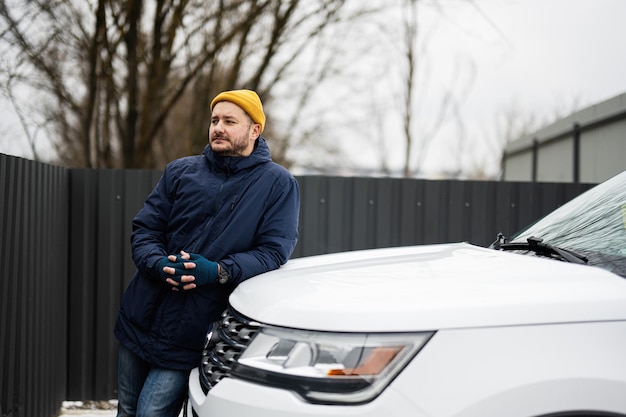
(601, 133)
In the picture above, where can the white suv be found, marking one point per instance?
(438, 330)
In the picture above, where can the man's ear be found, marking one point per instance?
(256, 131)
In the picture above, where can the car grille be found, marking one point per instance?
(228, 339)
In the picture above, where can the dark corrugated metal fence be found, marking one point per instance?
(346, 213)
(102, 205)
(33, 287)
(66, 256)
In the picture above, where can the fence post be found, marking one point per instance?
(576, 153)
(535, 158)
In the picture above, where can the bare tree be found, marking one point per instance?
(128, 83)
(420, 131)
(29, 127)
(411, 57)
(292, 29)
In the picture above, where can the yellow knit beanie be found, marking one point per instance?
(248, 100)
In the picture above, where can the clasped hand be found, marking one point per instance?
(187, 271)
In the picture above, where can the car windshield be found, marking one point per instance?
(592, 224)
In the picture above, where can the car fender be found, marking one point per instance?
(519, 371)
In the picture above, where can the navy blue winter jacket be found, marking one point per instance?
(240, 211)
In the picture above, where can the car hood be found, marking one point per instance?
(429, 287)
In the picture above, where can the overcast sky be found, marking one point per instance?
(540, 56)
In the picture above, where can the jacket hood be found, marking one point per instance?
(260, 154)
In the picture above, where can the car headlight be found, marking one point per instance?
(328, 368)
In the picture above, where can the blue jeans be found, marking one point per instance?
(147, 391)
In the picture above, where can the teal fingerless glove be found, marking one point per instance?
(178, 265)
(159, 268)
(205, 271)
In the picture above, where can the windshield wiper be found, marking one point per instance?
(536, 245)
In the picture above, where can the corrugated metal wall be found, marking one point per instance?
(102, 204)
(66, 256)
(33, 287)
(339, 213)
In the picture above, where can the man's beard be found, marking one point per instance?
(237, 147)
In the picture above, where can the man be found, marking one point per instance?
(212, 221)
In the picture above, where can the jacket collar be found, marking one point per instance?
(232, 164)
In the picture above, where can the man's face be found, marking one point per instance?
(232, 132)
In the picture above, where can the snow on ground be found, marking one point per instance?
(88, 408)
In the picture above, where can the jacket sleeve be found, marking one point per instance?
(149, 227)
(276, 238)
